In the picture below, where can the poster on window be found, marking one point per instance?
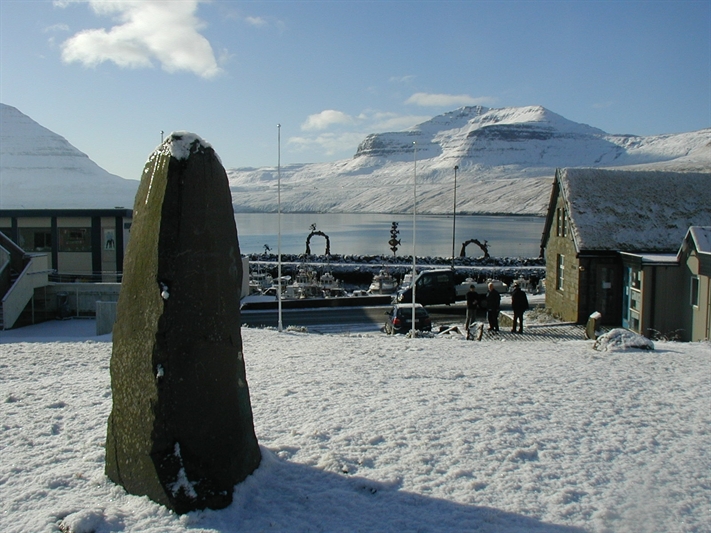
(109, 240)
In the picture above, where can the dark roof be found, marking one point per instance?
(115, 212)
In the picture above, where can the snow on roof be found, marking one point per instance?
(654, 259)
(634, 210)
(701, 235)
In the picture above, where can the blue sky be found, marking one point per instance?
(110, 76)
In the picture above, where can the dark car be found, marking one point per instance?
(432, 287)
(400, 319)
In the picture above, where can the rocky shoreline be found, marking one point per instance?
(358, 270)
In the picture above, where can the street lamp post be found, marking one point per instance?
(279, 324)
(414, 239)
(454, 212)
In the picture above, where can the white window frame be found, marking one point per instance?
(694, 289)
(560, 272)
(565, 222)
(561, 224)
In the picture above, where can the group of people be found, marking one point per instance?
(519, 304)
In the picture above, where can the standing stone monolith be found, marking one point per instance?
(181, 429)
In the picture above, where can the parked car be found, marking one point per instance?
(432, 287)
(399, 319)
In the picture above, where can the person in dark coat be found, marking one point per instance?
(493, 303)
(472, 303)
(519, 304)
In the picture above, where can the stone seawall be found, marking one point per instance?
(359, 270)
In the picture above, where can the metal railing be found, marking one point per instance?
(33, 275)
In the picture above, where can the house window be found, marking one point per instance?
(565, 223)
(695, 291)
(561, 222)
(36, 239)
(635, 278)
(559, 271)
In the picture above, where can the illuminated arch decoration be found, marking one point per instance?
(322, 234)
(483, 245)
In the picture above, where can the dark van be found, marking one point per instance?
(432, 287)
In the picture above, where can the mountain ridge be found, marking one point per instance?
(38, 166)
(506, 160)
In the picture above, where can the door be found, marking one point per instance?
(608, 293)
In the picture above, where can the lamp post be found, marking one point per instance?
(454, 212)
(414, 239)
(279, 323)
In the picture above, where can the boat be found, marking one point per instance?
(332, 287)
(305, 285)
(309, 290)
(406, 281)
(259, 282)
(480, 288)
(383, 283)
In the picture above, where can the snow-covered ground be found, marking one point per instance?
(366, 432)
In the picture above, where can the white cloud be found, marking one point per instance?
(149, 30)
(402, 79)
(256, 21)
(56, 28)
(446, 100)
(326, 119)
(328, 143)
(382, 122)
(347, 131)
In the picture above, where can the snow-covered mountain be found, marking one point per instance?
(506, 161)
(40, 169)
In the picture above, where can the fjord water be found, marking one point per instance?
(368, 234)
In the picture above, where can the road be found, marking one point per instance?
(332, 319)
(366, 319)
(319, 316)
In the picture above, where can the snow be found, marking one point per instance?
(506, 157)
(34, 160)
(634, 210)
(621, 339)
(366, 432)
(702, 238)
(181, 143)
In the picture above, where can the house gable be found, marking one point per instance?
(562, 262)
(697, 242)
(695, 256)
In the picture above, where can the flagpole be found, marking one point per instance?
(454, 212)
(414, 239)
(279, 325)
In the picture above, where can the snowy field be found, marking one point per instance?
(369, 433)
